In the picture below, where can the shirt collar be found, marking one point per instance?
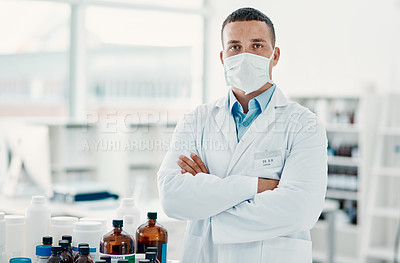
(262, 100)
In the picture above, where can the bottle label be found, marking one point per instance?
(164, 253)
(115, 258)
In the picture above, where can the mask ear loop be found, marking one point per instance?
(273, 53)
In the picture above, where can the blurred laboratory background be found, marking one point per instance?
(91, 91)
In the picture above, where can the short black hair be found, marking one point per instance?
(249, 14)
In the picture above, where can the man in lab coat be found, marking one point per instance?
(248, 172)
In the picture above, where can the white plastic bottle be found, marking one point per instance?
(129, 225)
(37, 219)
(87, 232)
(102, 221)
(128, 207)
(2, 238)
(61, 225)
(15, 236)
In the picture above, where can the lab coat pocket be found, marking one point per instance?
(266, 164)
(285, 249)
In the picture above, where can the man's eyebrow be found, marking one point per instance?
(258, 40)
(233, 42)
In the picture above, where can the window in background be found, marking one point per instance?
(143, 59)
(33, 58)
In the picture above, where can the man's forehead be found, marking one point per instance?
(250, 29)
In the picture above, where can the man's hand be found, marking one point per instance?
(193, 166)
(266, 184)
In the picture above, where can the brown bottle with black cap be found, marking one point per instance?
(84, 255)
(152, 234)
(117, 243)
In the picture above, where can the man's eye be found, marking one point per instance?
(257, 46)
(235, 47)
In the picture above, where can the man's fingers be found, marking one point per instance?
(199, 162)
(186, 167)
(190, 163)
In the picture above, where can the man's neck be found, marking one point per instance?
(245, 98)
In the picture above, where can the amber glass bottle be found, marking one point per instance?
(84, 256)
(152, 234)
(65, 256)
(117, 243)
(55, 255)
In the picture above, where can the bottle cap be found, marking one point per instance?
(144, 261)
(43, 250)
(83, 245)
(83, 250)
(67, 237)
(151, 255)
(55, 250)
(127, 202)
(152, 249)
(118, 223)
(47, 240)
(38, 200)
(152, 215)
(20, 260)
(106, 258)
(64, 244)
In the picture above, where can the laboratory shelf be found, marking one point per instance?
(342, 128)
(343, 161)
(342, 194)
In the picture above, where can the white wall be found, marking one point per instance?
(327, 47)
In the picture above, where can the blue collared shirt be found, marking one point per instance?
(256, 106)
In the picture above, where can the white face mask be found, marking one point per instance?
(247, 71)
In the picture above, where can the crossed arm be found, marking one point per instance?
(195, 166)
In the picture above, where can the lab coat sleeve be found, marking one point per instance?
(292, 207)
(184, 196)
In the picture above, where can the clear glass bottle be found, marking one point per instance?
(55, 255)
(84, 255)
(151, 234)
(65, 255)
(117, 243)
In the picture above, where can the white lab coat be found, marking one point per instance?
(227, 220)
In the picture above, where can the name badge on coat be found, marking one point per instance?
(268, 159)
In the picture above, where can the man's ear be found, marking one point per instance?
(221, 56)
(277, 55)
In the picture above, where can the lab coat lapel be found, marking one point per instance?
(260, 126)
(225, 123)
